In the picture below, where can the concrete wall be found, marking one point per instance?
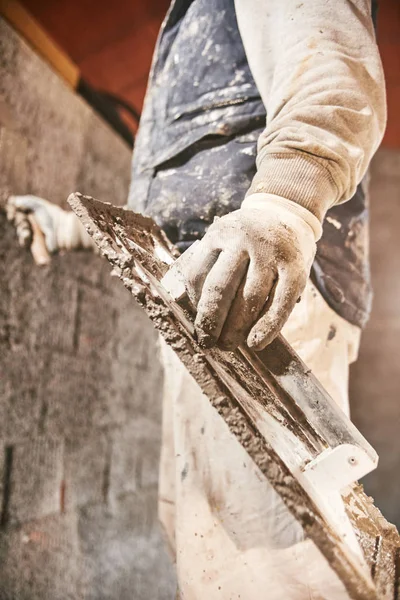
(375, 378)
(80, 382)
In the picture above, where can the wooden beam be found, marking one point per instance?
(27, 26)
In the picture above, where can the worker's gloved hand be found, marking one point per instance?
(61, 229)
(249, 270)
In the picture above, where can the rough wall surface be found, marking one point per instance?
(375, 378)
(80, 382)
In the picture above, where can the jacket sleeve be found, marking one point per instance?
(317, 67)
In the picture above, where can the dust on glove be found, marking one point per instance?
(247, 273)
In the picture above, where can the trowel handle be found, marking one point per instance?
(39, 250)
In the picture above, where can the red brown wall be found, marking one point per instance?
(389, 45)
(112, 43)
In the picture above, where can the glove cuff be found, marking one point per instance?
(298, 177)
(70, 232)
(262, 201)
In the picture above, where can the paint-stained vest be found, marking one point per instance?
(195, 152)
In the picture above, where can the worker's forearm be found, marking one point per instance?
(318, 70)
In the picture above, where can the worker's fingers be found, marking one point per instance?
(218, 293)
(39, 208)
(280, 304)
(247, 306)
(26, 203)
(194, 266)
(23, 229)
(39, 250)
(11, 210)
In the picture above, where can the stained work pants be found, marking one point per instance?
(231, 535)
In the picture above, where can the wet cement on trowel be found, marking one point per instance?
(133, 244)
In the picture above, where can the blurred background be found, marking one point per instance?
(80, 382)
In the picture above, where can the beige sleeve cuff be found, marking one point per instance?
(296, 177)
(262, 200)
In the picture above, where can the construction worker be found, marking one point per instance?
(264, 113)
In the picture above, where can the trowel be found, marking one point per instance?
(302, 442)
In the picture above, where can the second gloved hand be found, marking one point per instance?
(249, 270)
(61, 229)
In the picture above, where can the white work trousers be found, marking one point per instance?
(230, 533)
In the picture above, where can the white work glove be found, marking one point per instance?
(247, 273)
(61, 229)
